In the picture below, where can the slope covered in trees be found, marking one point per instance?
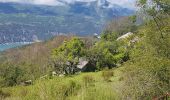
(135, 66)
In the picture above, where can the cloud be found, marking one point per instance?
(125, 3)
(46, 2)
(37, 2)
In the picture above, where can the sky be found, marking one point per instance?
(125, 3)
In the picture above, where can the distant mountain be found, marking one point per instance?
(27, 23)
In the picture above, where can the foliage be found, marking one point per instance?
(106, 54)
(109, 36)
(156, 6)
(147, 74)
(13, 74)
(69, 52)
(145, 78)
(32, 60)
(67, 88)
(120, 26)
(145, 64)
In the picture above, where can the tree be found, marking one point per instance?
(157, 30)
(106, 54)
(120, 26)
(159, 10)
(68, 54)
(11, 74)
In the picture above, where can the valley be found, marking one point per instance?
(84, 50)
(26, 22)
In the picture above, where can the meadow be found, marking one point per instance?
(103, 85)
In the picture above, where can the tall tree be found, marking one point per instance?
(68, 53)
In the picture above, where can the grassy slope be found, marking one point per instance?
(86, 86)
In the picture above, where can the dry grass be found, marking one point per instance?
(107, 74)
(86, 86)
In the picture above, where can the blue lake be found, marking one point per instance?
(12, 45)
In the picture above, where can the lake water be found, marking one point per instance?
(12, 45)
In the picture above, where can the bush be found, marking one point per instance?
(107, 74)
(12, 75)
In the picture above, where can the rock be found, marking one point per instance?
(125, 36)
(61, 75)
(54, 73)
(44, 77)
(27, 83)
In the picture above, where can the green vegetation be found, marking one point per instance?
(70, 52)
(135, 67)
(107, 75)
(106, 54)
(33, 61)
(147, 74)
(86, 86)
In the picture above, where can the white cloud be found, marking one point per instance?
(38, 2)
(46, 2)
(10, 0)
(125, 3)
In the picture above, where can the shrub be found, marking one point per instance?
(12, 75)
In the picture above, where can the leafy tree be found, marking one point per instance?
(68, 53)
(109, 36)
(120, 26)
(106, 54)
(158, 10)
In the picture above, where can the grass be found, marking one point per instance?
(107, 74)
(86, 86)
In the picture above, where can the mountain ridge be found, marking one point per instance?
(23, 22)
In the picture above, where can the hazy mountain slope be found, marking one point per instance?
(26, 22)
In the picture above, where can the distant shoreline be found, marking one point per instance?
(5, 46)
(16, 43)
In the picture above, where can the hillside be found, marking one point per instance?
(27, 23)
(86, 86)
(36, 56)
(127, 61)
